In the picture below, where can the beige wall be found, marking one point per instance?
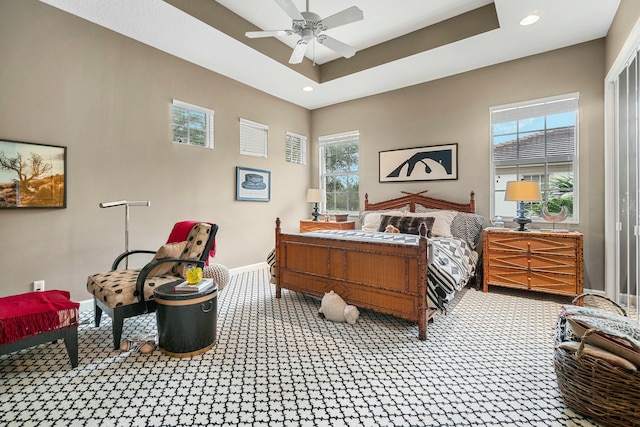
(66, 81)
(107, 98)
(624, 21)
(456, 109)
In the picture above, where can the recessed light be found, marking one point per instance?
(530, 19)
(307, 88)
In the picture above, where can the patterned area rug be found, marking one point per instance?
(488, 362)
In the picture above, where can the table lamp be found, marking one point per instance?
(521, 192)
(314, 195)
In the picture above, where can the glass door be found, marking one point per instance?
(628, 178)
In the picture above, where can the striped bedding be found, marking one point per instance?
(452, 261)
(452, 265)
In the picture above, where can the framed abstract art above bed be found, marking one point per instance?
(411, 274)
(432, 163)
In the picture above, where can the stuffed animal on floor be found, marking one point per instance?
(391, 229)
(335, 309)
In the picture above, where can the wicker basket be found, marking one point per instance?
(593, 387)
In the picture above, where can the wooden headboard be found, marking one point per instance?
(412, 199)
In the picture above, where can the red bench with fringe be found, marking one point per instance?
(34, 318)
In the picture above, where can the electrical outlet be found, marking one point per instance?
(38, 285)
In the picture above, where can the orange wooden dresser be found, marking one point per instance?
(533, 260)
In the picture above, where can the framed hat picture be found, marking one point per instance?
(253, 184)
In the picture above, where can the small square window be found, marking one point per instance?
(254, 138)
(192, 125)
(296, 148)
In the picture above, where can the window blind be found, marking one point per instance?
(341, 138)
(296, 148)
(520, 111)
(254, 138)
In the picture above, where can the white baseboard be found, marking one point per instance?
(595, 292)
(248, 268)
(87, 305)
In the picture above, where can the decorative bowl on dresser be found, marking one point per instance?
(534, 260)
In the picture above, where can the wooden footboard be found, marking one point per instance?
(385, 277)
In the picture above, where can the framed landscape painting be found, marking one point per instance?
(32, 175)
(432, 163)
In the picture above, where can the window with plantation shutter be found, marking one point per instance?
(296, 148)
(536, 140)
(192, 125)
(339, 171)
(254, 138)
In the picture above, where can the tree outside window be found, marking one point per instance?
(192, 125)
(339, 162)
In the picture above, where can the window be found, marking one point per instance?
(339, 158)
(537, 141)
(192, 125)
(296, 148)
(254, 138)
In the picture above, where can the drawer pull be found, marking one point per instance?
(206, 310)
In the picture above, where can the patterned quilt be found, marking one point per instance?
(453, 264)
(452, 261)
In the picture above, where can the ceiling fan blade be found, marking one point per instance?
(347, 16)
(260, 34)
(337, 46)
(298, 52)
(290, 9)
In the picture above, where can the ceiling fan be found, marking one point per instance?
(310, 26)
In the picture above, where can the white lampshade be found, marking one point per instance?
(522, 191)
(314, 195)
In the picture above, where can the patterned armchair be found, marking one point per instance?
(126, 293)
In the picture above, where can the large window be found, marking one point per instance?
(536, 141)
(192, 125)
(339, 158)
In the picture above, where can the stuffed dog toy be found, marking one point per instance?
(391, 229)
(335, 309)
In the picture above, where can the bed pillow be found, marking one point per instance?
(407, 224)
(370, 220)
(395, 211)
(442, 224)
(170, 250)
(468, 227)
(422, 209)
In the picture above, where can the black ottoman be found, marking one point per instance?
(187, 321)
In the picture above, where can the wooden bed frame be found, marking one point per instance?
(385, 277)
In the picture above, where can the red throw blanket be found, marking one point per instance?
(29, 314)
(180, 232)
